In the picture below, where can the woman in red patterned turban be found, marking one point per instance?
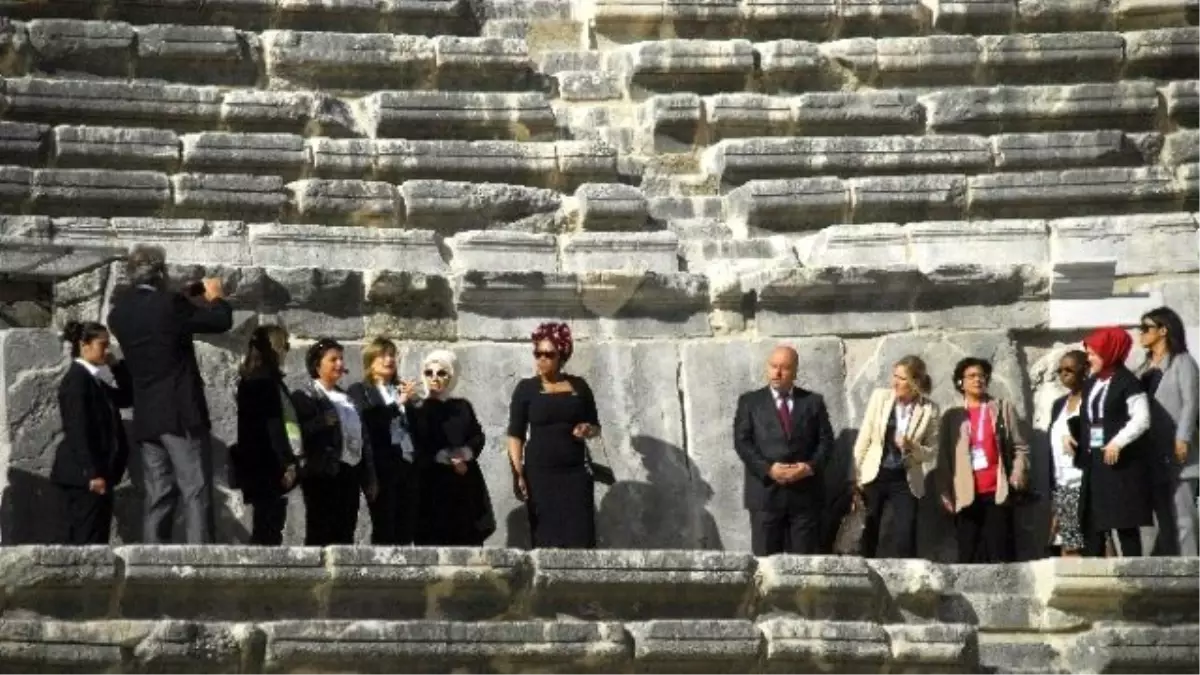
(550, 417)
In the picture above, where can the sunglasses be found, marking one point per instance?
(538, 354)
(1147, 327)
(437, 373)
(1066, 371)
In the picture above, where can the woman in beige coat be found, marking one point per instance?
(983, 461)
(895, 450)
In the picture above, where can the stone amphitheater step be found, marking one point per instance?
(254, 609)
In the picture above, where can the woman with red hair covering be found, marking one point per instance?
(1110, 447)
(551, 415)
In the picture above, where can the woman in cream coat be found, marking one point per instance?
(896, 449)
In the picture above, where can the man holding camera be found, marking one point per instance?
(155, 328)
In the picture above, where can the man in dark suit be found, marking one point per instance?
(783, 435)
(170, 415)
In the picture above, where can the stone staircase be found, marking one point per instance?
(360, 610)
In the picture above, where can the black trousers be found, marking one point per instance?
(984, 532)
(890, 491)
(87, 516)
(1130, 539)
(270, 515)
(393, 513)
(795, 530)
(331, 506)
(1166, 541)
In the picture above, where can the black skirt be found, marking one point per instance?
(561, 507)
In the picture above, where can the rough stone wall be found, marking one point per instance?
(686, 182)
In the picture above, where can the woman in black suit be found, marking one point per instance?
(264, 457)
(93, 453)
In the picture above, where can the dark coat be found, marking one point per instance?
(94, 443)
(1118, 496)
(322, 436)
(155, 329)
(453, 510)
(377, 418)
(262, 453)
(760, 441)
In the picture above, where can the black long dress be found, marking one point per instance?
(561, 504)
(453, 509)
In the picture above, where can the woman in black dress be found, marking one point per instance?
(550, 417)
(454, 506)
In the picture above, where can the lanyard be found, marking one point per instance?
(977, 432)
(1096, 405)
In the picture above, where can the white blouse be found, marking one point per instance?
(1065, 473)
(352, 442)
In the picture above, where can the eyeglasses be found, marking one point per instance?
(1147, 327)
(1066, 371)
(436, 373)
(538, 354)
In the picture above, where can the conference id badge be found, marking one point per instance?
(979, 460)
(1096, 437)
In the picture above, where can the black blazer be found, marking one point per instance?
(759, 440)
(155, 329)
(94, 443)
(323, 441)
(377, 419)
(262, 453)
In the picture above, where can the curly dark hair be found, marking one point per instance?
(312, 359)
(79, 333)
(559, 334)
(962, 366)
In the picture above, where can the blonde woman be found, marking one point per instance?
(895, 450)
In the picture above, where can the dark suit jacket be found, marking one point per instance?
(323, 441)
(262, 453)
(760, 441)
(155, 329)
(93, 443)
(377, 418)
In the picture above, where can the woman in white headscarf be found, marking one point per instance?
(455, 508)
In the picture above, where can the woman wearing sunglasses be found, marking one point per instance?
(454, 508)
(550, 416)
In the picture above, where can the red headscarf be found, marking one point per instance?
(1112, 345)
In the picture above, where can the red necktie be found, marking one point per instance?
(785, 417)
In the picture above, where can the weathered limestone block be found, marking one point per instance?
(1145, 244)
(738, 160)
(908, 198)
(281, 154)
(506, 161)
(407, 305)
(16, 186)
(585, 161)
(321, 247)
(1061, 16)
(626, 251)
(709, 646)
(793, 205)
(875, 244)
(14, 49)
(1131, 589)
(347, 60)
(1037, 58)
(553, 62)
(857, 57)
(1187, 179)
(925, 61)
(776, 19)
(422, 115)
(115, 192)
(109, 102)
(1131, 14)
(585, 85)
(511, 646)
(22, 142)
(911, 590)
(449, 207)
(795, 645)
(57, 581)
(236, 195)
(206, 54)
(972, 16)
(285, 111)
(424, 17)
(482, 63)
(503, 251)
(857, 113)
(701, 66)
(671, 120)
(115, 147)
(600, 584)
(632, 20)
(818, 587)
(341, 157)
(26, 227)
(1063, 149)
(1132, 106)
(794, 65)
(1013, 242)
(1166, 53)
(1055, 193)
(107, 646)
(881, 17)
(1183, 102)
(932, 648)
(611, 206)
(972, 296)
(1003, 599)
(98, 47)
(737, 115)
(316, 302)
(715, 257)
(251, 14)
(1112, 646)
(220, 582)
(459, 584)
(185, 240)
(351, 202)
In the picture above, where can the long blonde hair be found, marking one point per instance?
(374, 349)
(918, 373)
